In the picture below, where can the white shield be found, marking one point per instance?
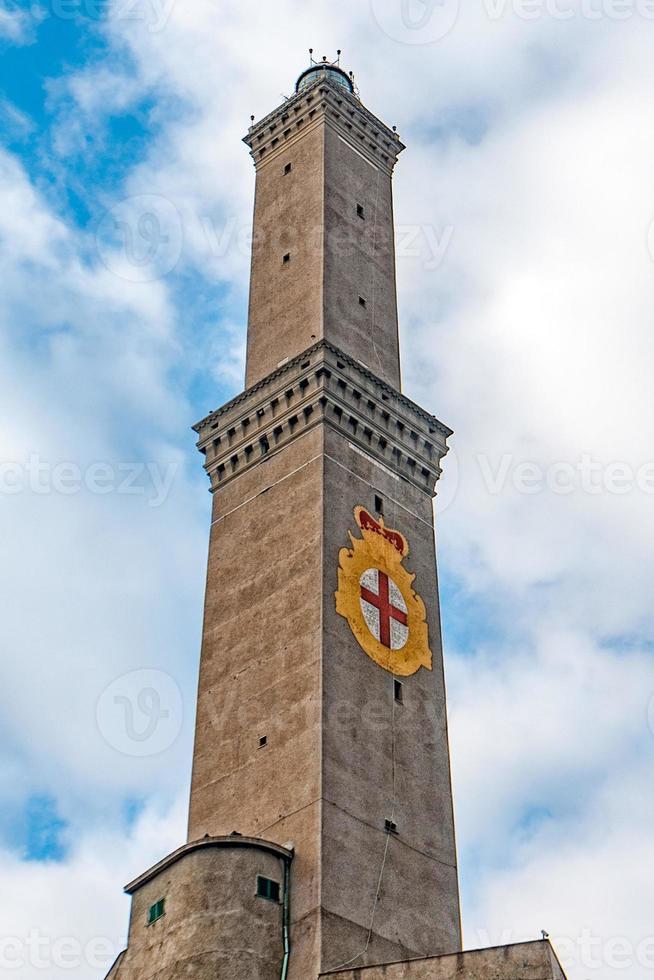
(384, 609)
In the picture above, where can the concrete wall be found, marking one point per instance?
(278, 661)
(214, 924)
(286, 299)
(521, 961)
(260, 671)
(360, 259)
(336, 256)
(374, 749)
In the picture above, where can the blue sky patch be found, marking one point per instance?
(44, 830)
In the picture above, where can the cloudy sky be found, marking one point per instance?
(524, 205)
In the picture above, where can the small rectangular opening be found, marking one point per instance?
(361, 211)
(362, 301)
(390, 826)
(268, 889)
(263, 741)
(156, 911)
(288, 168)
(398, 692)
(287, 258)
(379, 504)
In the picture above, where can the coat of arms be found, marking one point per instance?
(376, 597)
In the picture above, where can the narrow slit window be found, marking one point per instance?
(379, 505)
(156, 911)
(288, 168)
(362, 301)
(263, 741)
(361, 211)
(287, 258)
(268, 889)
(398, 692)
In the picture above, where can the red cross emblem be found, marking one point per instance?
(384, 609)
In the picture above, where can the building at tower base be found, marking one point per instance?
(212, 922)
(518, 961)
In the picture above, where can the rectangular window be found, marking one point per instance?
(362, 301)
(360, 211)
(263, 741)
(379, 505)
(288, 168)
(287, 258)
(266, 888)
(398, 692)
(156, 911)
(390, 826)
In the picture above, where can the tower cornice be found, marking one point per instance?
(324, 101)
(324, 385)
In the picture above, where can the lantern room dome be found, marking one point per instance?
(325, 70)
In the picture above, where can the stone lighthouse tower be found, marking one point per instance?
(321, 834)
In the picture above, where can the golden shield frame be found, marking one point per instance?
(384, 549)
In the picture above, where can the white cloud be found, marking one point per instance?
(70, 919)
(16, 24)
(98, 517)
(577, 878)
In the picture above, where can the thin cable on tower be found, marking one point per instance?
(389, 831)
(393, 678)
(389, 834)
